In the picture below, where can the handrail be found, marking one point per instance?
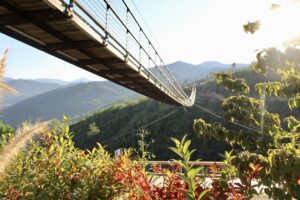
(167, 81)
(198, 163)
(163, 164)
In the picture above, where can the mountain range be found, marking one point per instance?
(25, 89)
(45, 99)
(118, 126)
(75, 101)
(188, 72)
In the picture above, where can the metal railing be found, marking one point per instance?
(170, 164)
(118, 26)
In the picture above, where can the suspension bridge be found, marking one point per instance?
(100, 36)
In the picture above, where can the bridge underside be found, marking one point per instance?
(47, 26)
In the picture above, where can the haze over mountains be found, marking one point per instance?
(45, 99)
(189, 72)
(26, 89)
(76, 101)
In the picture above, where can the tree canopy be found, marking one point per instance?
(264, 139)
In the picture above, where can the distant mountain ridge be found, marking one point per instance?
(56, 81)
(52, 98)
(25, 89)
(31, 87)
(183, 71)
(75, 101)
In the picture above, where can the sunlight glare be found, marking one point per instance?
(281, 24)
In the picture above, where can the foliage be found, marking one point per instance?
(173, 186)
(190, 172)
(221, 185)
(252, 27)
(94, 130)
(6, 132)
(52, 168)
(231, 84)
(119, 126)
(143, 146)
(265, 149)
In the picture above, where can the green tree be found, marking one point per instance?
(259, 137)
(94, 130)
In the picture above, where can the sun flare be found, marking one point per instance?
(281, 24)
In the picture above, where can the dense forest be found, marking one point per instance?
(118, 126)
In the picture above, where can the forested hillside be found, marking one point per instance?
(119, 124)
(26, 89)
(35, 99)
(75, 101)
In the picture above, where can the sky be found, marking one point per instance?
(192, 31)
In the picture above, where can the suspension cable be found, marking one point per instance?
(153, 35)
(141, 127)
(219, 116)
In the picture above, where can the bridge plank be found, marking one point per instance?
(103, 61)
(84, 44)
(29, 5)
(43, 15)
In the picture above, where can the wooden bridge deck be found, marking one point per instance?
(48, 25)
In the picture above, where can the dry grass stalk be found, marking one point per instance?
(22, 137)
(3, 86)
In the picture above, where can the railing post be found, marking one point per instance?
(140, 49)
(149, 57)
(155, 66)
(69, 7)
(127, 35)
(105, 41)
(71, 3)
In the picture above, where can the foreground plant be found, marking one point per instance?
(3, 86)
(50, 167)
(190, 176)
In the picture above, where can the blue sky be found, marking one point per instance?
(193, 31)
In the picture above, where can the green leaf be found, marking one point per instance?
(183, 140)
(51, 149)
(176, 142)
(203, 193)
(186, 146)
(194, 172)
(176, 151)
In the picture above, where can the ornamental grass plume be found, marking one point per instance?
(3, 86)
(19, 141)
(23, 135)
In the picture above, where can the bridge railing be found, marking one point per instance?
(117, 25)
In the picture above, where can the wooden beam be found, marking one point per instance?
(135, 79)
(84, 44)
(43, 15)
(38, 23)
(11, 20)
(119, 71)
(103, 61)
